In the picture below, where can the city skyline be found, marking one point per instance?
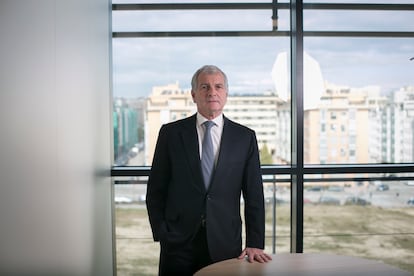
(343, 123)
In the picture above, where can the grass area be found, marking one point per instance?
(369, 232)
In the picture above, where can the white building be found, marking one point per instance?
(262, 112)
(259, 112)
(402, 122)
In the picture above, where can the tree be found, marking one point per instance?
(265, 156)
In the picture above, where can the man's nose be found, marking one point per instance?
(212, 91)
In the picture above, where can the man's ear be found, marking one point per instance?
(192, 95)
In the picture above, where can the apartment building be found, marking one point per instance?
(259, 112)
(263, 113)
(331, 129)
(402, 127)
(165, 104)
(385, 125)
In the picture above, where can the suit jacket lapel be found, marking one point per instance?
(225, 150)
(190, 144)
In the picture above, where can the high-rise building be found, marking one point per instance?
(125, 123)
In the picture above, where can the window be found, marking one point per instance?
(357, 86)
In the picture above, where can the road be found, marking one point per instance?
(397, 195)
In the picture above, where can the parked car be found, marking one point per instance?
(315, 189)
(336, 188)
(354, 200)
(269, 200)
(410, 183)
(122, 199)
(329, 200)
(383, 187)
(306, 201)
(142, 198)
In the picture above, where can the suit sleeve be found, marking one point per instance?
(254, 200)
(157, 187)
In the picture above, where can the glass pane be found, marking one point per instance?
(277, 205)
(152, 86)
(359, 100)
(366, 219)
(136, 252)
(362, 20)
(197, 20)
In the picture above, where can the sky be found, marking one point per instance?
(141, 63)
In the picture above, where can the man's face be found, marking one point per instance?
(210, 94)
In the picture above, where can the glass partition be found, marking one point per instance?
(354, 181)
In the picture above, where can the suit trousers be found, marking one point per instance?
(187, 259)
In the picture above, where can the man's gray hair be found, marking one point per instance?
(209, 69)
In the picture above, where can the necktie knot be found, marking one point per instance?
(208, 125)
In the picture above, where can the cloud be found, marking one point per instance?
(141, 63)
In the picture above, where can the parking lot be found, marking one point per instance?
(397, 194)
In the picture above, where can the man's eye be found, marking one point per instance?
(204, 87)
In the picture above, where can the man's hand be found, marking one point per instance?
(255, 254)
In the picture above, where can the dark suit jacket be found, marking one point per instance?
(177, 199)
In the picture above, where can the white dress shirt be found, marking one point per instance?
(216, 131)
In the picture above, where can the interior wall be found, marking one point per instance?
(55, 129)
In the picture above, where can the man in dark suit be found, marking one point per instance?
(196, 217)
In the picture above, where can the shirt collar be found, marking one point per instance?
(218, 121)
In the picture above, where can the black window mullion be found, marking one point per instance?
(297, 174)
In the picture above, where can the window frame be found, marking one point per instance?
(297, 172)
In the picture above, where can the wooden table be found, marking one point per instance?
(309, 264)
